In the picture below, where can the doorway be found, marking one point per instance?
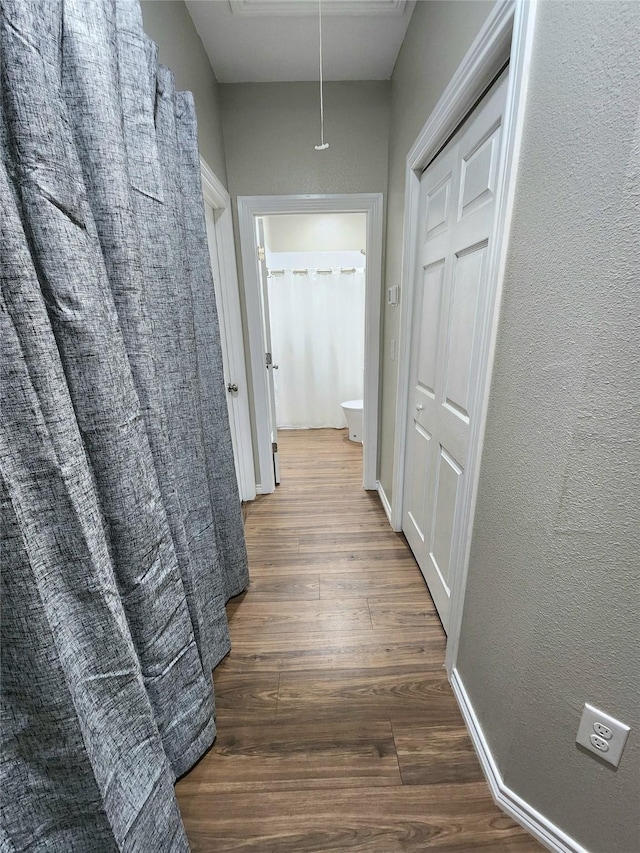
(254, 208)
(315, 283)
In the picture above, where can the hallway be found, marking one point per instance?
(337, 729)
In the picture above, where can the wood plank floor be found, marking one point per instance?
(337, 728)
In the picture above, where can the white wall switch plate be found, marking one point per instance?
(602, 734)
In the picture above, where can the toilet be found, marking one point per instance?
(353, 412)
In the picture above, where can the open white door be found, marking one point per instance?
(217, 207)
(457, 208)
(225, 280)
(231, 384)
(268, 357)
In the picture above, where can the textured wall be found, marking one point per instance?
(551, 611)
(438, 37)
(270, 131)
(316, 232)
(169, 24)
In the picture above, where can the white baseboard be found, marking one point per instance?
(537, 824)
(384, 500)
(259, 489)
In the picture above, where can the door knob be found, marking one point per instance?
(419, 407)
(232, 388)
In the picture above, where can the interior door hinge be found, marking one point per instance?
(261, 254)
(274, 446)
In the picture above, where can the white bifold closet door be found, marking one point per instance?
(456, 218)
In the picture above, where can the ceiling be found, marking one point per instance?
(262, 41)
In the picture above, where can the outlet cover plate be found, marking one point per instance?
(592, 717)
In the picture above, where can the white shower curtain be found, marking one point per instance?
(317, 330)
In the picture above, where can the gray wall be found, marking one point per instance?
(438, 37)
(553, 574)
(169, 24)
(551, 611)
(270, 130)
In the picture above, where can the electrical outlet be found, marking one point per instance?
(602, 734)
(603, 731)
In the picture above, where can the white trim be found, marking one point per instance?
(215, 195)
(506, 35)
(520, 810)
(213, 190)
(384, 500)
(370, 203)
(257, 349)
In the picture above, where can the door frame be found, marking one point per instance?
(507, 35)
(230, 319)
(250, 207)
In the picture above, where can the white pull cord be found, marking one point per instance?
(323, 145)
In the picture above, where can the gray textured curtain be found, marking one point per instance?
(122, 534)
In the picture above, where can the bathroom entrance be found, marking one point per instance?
(312, 278)
(314, 275)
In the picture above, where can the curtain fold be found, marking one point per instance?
(121, 524)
